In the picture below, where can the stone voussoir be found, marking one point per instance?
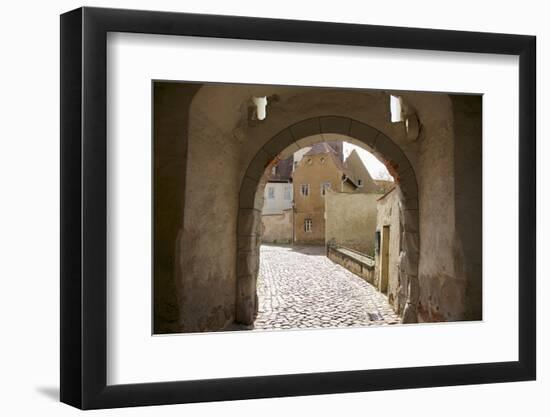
(305, 128)
(248, 221)
(258, 165)
(335, 124)
(279, 142)
(247, 193)
(364, 133)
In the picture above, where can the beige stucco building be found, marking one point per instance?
(280, 209)
(319, 170)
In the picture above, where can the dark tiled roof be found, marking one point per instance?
(328, 147)
(283, 171)
(320, 148)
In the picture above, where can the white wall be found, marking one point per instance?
(278, 203)
(30, 208)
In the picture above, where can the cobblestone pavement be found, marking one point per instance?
(299, 287)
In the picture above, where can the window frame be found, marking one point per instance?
(324, 187)
(307, 188)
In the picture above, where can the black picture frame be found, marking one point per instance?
(84, 207)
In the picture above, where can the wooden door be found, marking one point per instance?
(385, 259)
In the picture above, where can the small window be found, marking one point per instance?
(271, 193)
(309, 161)
(359, 182)
(305, 190)
(322, 160)
(324, 187)
(288, 193)
(274, 170)
(308, 225)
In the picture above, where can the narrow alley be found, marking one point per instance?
(299, 287)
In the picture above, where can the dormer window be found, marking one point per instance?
(359, 182)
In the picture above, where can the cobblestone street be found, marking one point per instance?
(299, 287)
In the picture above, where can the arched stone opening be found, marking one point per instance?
(286, 142)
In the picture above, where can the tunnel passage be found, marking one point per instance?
(291, 139)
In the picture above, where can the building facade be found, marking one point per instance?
(387, 275)
(319, 170)
(295, 209)
(278, 200)
(279, 224)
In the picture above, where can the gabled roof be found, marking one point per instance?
(283, 171)
(320, 148)
(358, 171)
(324, 148)
(352, 168)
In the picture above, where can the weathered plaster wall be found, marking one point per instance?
(277, 228)
(442, 285)
(208, 244)
(171, 101)
(388, 214)
(468, 199)
(351, 220)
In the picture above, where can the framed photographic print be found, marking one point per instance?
(258, 207)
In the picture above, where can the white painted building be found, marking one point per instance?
(277, 197)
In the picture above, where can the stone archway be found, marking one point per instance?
(285, 143)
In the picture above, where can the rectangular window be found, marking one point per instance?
(288, 193)
(308, 225)
(324, 187)
(271, 193)
(305, 190)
